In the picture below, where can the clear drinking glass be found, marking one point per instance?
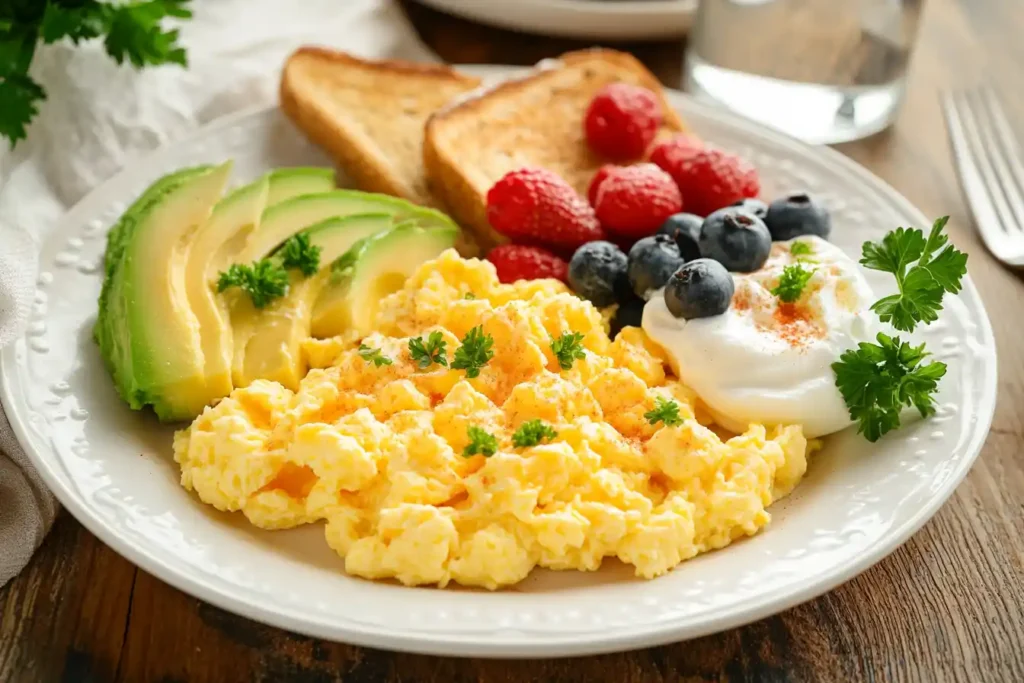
(824, 71)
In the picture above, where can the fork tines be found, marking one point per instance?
(991, 169)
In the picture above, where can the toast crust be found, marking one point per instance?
(533, 120)
(337, 100)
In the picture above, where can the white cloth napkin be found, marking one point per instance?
(98, 115)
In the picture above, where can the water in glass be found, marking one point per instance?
(824, 71)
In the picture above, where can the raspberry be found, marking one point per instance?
(673, 151)
(521, 262)
(709, 179)
(596, 181)
(622, 120)
(535, 205)
(633, 201)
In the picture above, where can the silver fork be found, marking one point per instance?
(989, 159)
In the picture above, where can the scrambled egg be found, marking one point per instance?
(377, 452)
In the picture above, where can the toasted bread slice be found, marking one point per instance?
(370, 115)
(536, 120)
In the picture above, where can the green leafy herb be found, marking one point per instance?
(264, 281)
(434, 350)
(135, 35)
(878, 380)
(469, 295)
(568, 348)
(480, 442)
(372, 355)
(131, 31)
(75, 21)
(665, 411)
(925, 269)
(345, 261)
(531, 433)
(299, 253)
(19, 103)
(792, 282)
(476, 350)
(800, 249)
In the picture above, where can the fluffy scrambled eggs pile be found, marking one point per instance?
(377, 450)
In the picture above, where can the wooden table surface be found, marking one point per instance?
(947, 606)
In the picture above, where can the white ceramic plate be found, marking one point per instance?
(112, 467)
(587, 19)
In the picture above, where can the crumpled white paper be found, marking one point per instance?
(99, 115)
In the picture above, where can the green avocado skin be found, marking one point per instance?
(395, 246)
(111, 330)
(400, 250)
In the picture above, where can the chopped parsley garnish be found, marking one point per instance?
(476, 350)
(792, 282)
(425, 354)
(480, 442)
(925, 269)
(879, 380)
(345, 261)
(568, 348)
(372, 355)
(800, 249)
(469, 295)
(665, 411)
(531, 433)
(300, 254)
(263, 281)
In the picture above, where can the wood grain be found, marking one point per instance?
(947, 606)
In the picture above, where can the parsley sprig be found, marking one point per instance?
(372, 355)
(568, 348)
(665, 411)
(800, 249)
(792, 282)
(877, 381)
(476, 350)
(267, 279)
(925, 270)
(299, 253)
(131, 31)
(264, 281)
(481, 442)
(433, 350)
(531, 433)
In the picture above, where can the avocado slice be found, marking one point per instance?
(213, 249)
(279, 222)
(336, 236)
(150, 338)
(287, 183)
(233, 217)
(373, 268)
(116, 239)
(282, 185)
(268, 342)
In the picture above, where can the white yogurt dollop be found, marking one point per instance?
(767, 361)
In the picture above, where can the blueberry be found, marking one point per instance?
(754, 206)
(652, 261)
(700, 289)
(597, 272)
(629, 314)
(684, 228)
(736, 239)
(796, 215)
